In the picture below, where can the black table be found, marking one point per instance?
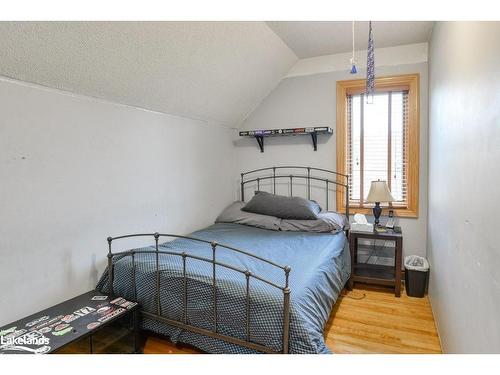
(375, 273)
(90, 323)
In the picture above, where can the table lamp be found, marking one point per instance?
(379, 192)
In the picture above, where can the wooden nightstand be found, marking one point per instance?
(375, 273)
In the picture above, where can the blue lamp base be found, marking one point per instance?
(377, 211)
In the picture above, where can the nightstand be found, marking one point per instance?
(375, 273)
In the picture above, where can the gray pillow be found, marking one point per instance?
(283, 207)
(234, 214)
(326, 222)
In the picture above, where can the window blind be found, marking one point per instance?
(377, 144)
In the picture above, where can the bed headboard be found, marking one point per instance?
(304, 179)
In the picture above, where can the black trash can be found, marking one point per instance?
(416, 275)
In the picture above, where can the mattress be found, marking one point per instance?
(320, 267)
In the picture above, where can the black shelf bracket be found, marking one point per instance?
(314, 137)
(260, 141)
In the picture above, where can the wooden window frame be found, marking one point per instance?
(408, 82)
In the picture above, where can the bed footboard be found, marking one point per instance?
(185, 256)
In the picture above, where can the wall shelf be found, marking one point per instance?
(259, 135)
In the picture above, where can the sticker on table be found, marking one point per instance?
(99, 298)
(118, 301)
(55, 324)
(128, 304)
(93, 325)
(84, 311)
(38, 320)
(13, 335)
(63, 331)
(111, 315)
(122, 302)
(7, 331)
(61, 327)
(45, 330)
(104, 310)
(47, 323)
(69, 318)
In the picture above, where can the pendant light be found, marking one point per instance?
(370, 68)
(354, 70)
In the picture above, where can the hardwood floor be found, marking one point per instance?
(381, 323)
(376, 323)
(158, 345)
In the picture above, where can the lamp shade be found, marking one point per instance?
(379, 192)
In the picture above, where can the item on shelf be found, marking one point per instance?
(379, 192)
(390, 222)
(361, 224)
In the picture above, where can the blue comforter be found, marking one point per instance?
(320, 266)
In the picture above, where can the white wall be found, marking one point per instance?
(464, 176)
(389, 56)
(309, 100)
(74, 170)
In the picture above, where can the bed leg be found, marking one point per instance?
(214, 285)
(158, 302)
(286, 319)
(110, 267)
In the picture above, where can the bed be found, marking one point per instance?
(274, 296)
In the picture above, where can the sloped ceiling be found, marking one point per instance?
(318, 38)
(213, 71)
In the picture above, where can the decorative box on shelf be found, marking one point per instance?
(360, 224)
(365, 228)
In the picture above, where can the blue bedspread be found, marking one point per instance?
(320, 265)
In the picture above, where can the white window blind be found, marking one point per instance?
(377, 143)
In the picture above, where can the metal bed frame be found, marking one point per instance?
(341, 180)
(248, 274)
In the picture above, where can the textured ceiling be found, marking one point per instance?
(214, 71)
(317, 38)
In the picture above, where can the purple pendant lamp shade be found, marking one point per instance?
(354, 70)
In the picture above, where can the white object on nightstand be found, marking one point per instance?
(361, 224)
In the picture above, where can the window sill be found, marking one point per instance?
(398, 212)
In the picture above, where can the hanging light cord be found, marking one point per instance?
(354, 70)
(353, 42)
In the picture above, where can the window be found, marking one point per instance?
(379, 140)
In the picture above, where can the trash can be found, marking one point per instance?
(416, 275)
